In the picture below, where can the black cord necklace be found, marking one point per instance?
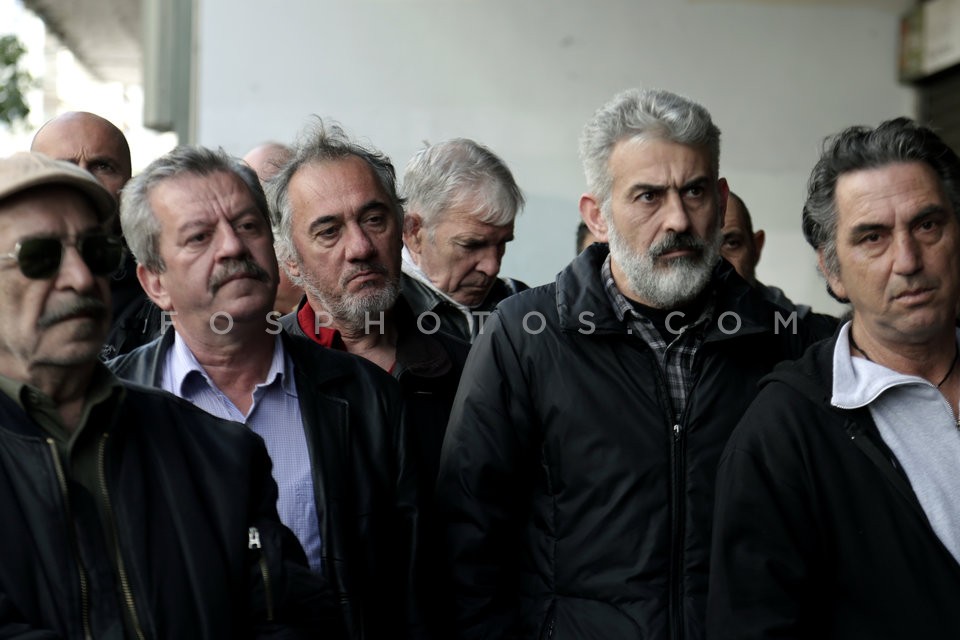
(953, 365)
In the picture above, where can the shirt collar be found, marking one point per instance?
(857, 381)
(184, 367)
(409, 267)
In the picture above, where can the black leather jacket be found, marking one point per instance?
(363, 477)
(576, 505)
(428, 369)
(195, 549)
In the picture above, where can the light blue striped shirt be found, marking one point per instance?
(275, 417)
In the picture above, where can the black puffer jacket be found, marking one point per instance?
(575, 507)
(818, 531)
(183, 490)
(363, 478)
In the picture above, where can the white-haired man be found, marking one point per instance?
(461, 204)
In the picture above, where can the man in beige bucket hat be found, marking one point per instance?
(106, 487)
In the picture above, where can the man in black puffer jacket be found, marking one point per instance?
(576, 478)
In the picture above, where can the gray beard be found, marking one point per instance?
(670, 286)
(356, 311)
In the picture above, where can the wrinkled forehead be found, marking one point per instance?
(76, 138)
(47, 209)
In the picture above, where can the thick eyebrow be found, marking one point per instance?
(372, 205)
(699, 181)
(870, 227)
(927, 211)
(202, 224)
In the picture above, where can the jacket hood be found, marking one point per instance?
(811, 375)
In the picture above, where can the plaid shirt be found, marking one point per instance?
(675, 359)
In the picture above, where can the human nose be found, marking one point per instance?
(230, 245)
(359, 246)
(906, 259)
(676, 216)
(74, 272)
(489, 263)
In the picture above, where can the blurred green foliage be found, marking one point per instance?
(14, 81)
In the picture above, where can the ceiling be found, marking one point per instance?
(105, 35)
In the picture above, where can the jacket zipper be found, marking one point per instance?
(676, 539)
(84, 589)
(254, 543)
(121, 569)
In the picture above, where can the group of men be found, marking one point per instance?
(336, 466)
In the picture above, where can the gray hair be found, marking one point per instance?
(454, 172)
(859, 148)
(643, 114)
(322, 142)
(140, 225)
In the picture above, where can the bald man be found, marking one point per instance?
(741, 246)
(97, 145)
(267, 159)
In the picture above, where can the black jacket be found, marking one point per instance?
(363, 478)
(428, 369)
(575, 507)
(135, 320)
(818, 533)
(183, 490)
(424, 300)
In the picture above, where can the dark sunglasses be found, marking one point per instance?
(39, 258)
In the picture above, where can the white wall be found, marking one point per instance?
(522, 76)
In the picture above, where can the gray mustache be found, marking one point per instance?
(233, 268)
(85, 306)
(675, 242)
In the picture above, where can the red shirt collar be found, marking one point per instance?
(326, 336)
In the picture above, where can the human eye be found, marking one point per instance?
(197, 238)
(732, 242)
(694, 191)
(375, 220)
(249, 226)
(101, 166)
(327, 232)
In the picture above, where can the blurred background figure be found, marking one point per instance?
(266, 159)
(584, 237)
(97, 145)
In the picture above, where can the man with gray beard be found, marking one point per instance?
(576, 477)
(339, 222)
(198, 223)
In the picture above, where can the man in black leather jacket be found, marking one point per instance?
(339, 223)
(576, 478)
(127, 512)
(334, 424)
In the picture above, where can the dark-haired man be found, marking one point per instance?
(838, 498)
